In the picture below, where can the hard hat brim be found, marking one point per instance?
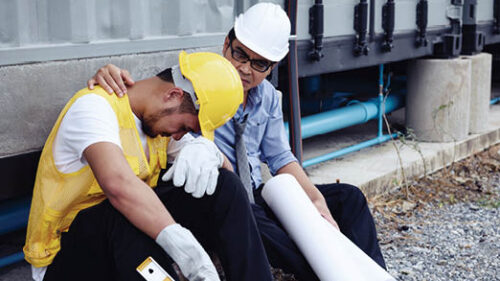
(208, 134)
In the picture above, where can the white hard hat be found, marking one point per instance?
(264, 29)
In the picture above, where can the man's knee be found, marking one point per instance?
(229, 186)
(343, 194)
(355, 194)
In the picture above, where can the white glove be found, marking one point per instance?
(196, 167)
(184, 249)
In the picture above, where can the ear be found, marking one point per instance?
(226, 45)
(172, 94)
(273, 66)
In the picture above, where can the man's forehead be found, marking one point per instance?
(248, 51)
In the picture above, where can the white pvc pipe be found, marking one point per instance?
(332, 256)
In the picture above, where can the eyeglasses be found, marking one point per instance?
(240, 56)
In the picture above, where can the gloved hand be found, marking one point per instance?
(184, 249)
(196, 167)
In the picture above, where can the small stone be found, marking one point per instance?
(441, 262)
(403, 228)
(407, 271)
(461, 180)
(466, 246)
(407, 206)
(419, 265)
(473, 207)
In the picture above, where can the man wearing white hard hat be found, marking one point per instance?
(258, 41)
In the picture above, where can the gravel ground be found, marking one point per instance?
(455, 242)
(445, 226)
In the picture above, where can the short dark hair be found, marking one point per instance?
(231, 35)
(187, 104)
(166, 75)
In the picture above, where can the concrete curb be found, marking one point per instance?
(376, 170)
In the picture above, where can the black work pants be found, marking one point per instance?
(102, 244)
(348, 207)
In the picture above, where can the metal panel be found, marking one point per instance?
(437, 14)
(41, 30)
(338, 16)
(344, 47)
(405, 15)
(484, 11)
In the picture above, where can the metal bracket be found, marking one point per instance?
(469, 9)
(472, 40)
(388, 14)
(454, 14)
(422, 15)
(361, 27)
(316, 22)
(451, 44)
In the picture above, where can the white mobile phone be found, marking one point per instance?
(152, 271)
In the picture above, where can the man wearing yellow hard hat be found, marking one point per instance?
(95, 214)
(255, 45)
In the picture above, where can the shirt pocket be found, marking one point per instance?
(254, 132)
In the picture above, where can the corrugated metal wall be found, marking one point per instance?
(41, 30)
(338, 17)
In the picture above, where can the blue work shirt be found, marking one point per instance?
(265, 137)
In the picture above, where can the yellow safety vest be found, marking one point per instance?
(58, 197)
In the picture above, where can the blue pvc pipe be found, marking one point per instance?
(495, 100)
(344, 117)
(14, 215)
(11, 259)
(352, 115)
(347, 150)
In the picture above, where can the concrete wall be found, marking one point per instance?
(50, 48)
(31, 95)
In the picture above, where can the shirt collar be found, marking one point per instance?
(254, 95)
(253, 98)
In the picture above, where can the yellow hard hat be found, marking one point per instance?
(217, 85)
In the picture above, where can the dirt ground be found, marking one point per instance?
(469, 180)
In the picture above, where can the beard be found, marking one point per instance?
(148, 121)
(147, 126)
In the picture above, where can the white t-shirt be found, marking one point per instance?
(90, 120)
